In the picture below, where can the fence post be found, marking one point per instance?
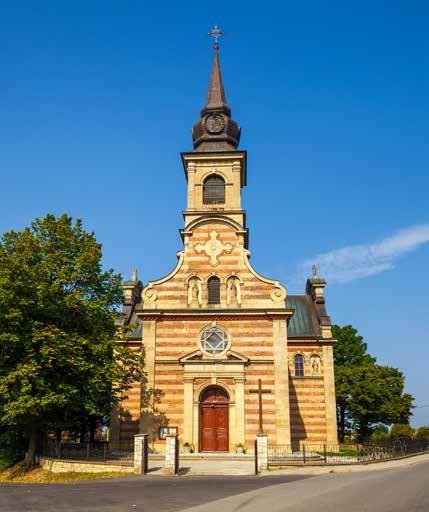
(59, 450)
(256, 457)
(261, 453)
(171, 454)
(104, 451)
(325, 453)
(140, 454)
(87, 450)
(303, 453)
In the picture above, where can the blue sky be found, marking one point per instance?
(98, 99)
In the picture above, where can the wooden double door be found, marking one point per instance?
(214, 420)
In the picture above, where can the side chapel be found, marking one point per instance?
(213, 330)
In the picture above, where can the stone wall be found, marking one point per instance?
(66, 466)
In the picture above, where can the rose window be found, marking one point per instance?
(214, 340)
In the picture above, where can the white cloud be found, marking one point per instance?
(356, 261)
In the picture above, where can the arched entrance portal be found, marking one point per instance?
(214, 420)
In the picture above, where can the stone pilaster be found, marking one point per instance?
(281, 383)
(240, 425)
(330, 402)
(146, 416)
(188, 409)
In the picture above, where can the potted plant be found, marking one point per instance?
(240, 448)
(187, 448)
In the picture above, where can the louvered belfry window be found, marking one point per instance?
(213, 286)
(214, 190)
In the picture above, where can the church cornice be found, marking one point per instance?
(218, 313)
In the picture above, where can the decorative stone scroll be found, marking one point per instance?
(150, 295)
(278, 294)
(213, 248)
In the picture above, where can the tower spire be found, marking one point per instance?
(215, 130)
(216, 98)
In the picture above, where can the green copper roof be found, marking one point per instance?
(304, 320)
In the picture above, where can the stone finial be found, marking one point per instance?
(134, 275)
(314, 271)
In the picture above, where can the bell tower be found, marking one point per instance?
(215, 170)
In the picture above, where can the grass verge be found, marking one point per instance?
(21, 474)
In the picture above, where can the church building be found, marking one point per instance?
(228, 352)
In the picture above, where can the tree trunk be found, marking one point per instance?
(342, 423)
(33, 446)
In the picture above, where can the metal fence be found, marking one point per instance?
(286, 455)
(98, 451)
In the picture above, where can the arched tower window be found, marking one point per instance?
(299, 365)
(214, 190)
(213, 288)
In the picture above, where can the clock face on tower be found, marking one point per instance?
(215, 123)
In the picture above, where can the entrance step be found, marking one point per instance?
(208, 464)
(209, 456)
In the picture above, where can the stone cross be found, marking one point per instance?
(260, 392)
(213, 248)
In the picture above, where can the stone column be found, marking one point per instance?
(171, 455)
(261, 453)
(140, 453)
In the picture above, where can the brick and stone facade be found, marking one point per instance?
(257, 329)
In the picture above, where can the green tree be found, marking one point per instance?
(380, 433)
(60, 364)
(350, 353)
(400, 430)
(367, 393)
(423, 433)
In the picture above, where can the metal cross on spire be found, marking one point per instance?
(216, 32)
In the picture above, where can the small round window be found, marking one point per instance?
(214, 340)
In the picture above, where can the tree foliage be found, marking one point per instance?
(367, 393)
(401, 430)
(423, 433)
(60, 364)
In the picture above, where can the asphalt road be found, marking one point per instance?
(135, 494)
(395, 490)
(403, 489)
